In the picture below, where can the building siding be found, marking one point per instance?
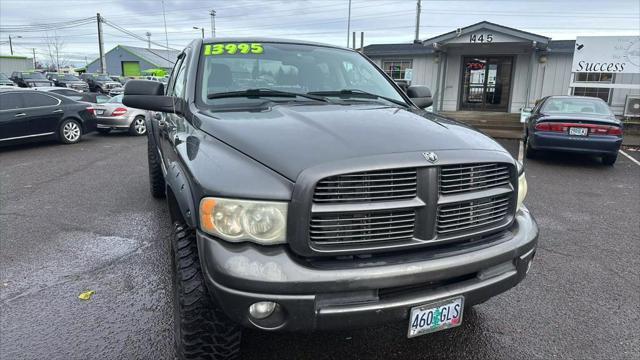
(114, 59)
(10, 64)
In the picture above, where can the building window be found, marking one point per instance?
(602, 93)
(396, 68)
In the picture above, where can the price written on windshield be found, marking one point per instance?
(233, 48)
(481, 38)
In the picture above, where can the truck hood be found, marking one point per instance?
(291, 138)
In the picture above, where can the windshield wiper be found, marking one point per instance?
(355, 93)
(258, 93)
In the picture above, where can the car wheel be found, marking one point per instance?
(138, 126)
(99, 90)
(528, 151)
(70, 131)
(609, 159)
(202, 330)
(104, 131)
(156, 178)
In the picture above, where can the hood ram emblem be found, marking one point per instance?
(430, 156)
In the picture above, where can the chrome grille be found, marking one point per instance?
(462, 178)
(362, 227)
(473, 214)
(379, 185)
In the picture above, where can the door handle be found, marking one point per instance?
(58, 111)
(20, 114)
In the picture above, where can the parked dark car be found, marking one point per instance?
(30, 79)
(5, 81)
(99, 82)
(31, 114)
(96, 98)
(68, 81)
(578, 124)
(307, 191)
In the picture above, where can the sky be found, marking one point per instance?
(72, 22)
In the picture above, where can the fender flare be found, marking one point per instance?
(179, 191)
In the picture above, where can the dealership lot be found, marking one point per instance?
(76, 218)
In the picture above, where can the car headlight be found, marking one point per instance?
(522, 185)
(262, 222)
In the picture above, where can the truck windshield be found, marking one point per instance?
(34, 75)
(103, 78)
(335, 74)
(71, 78)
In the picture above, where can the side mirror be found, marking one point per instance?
(527, 110)
(420, 95)
(148, 95)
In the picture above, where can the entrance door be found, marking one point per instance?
(486, 83)
(130, 68)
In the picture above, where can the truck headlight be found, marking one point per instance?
(522, 186)
(262, 222)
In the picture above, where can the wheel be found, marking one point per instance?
(202, 330)
(99, 90)
(156, 178)
(138, 126)
(609, 159)
(529, 152)
(70, 131)
(104, 131)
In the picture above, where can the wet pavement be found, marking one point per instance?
(80, 217)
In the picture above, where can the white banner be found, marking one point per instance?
(612, 54)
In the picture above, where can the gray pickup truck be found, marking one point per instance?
(308, 191)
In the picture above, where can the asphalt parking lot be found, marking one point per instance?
(80, 217)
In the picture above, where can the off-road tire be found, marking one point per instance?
(609, 159)
(70, 131)
(103, 131)
(202, 330)
(135, 128)
(156, 177)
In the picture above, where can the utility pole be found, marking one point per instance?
(361, 41)
(353, 44)
(34, 58)
(10, 45)
(148, 39)
(213, 22)
(100, 44)
(349, 23)
(201, 29)
(418, 9)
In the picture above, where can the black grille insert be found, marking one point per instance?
(379, 185)
(473, 214)
(362, 227)
(462, 178)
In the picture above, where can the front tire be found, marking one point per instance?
(609, 160)
(138, 126)
(202, 330)
(156, 177)
(70, 131)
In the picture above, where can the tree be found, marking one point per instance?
(55, 46)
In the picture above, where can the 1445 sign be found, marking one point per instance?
(481, 38)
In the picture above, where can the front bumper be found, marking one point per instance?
(592, 144)
(120, 122)
(335, 295)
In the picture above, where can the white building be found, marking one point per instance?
(489, 67)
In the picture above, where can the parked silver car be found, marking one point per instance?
(113, 115)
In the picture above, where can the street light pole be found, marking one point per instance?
(349, 23)
(199, 28)
(148, 39)
(11, 44)
(213, 23)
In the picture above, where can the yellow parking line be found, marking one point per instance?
(630, 157)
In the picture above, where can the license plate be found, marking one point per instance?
(578, 131)
(99, 112)
(435, 316)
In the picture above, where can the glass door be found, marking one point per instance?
(486, 83)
